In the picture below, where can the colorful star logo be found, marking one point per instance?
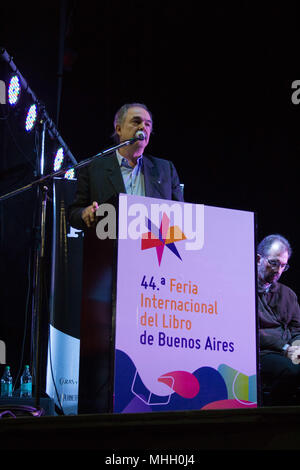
(160, 237)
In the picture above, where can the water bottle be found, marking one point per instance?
(26, 383)
(6, 383)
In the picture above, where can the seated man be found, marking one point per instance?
(279, 321)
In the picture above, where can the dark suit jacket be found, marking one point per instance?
(102, 181)
(279, 318)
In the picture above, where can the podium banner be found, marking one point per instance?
(185, 318)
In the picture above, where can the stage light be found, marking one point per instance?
(31, 118)
(14, 90)
(59, 158)
(70, 174)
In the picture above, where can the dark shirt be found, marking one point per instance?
(279, 318)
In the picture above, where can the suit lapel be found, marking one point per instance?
(152, 180)
(114, 175)
(112, 182)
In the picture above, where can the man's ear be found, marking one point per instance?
(118, 129)
(258, 258)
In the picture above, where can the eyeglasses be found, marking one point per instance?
(275, 263)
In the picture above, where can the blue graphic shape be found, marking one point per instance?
(158, 234)
(140, 391)
(154, 229)
(174, 250)
(123, 379)
(212, 388)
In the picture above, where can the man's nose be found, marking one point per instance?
(279, 269)
(142, 126)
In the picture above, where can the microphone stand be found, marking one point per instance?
(38, 269)
(61, 172)
(42, 185)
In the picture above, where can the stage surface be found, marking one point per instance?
(266, 428)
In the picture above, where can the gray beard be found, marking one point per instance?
(263, 286)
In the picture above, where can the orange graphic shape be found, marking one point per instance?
(175, 234)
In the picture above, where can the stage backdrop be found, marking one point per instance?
(185, 325)
(62, 379)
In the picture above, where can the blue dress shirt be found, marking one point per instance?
(133, 177)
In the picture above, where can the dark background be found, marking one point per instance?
(217, 77)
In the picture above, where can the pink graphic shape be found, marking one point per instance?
(163, 236)
(164, 226)
(225, 404)
(159, 252)
(183, 383)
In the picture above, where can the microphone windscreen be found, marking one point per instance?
(140, 135)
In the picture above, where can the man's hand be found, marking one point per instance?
(89, 214)
(293, 352)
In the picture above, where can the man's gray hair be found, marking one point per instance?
(121, 114)
(266, 243)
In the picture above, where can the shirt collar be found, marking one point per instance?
(123, 162)
(270, 288)
(262, 287)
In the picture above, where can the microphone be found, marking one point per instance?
(140, 135)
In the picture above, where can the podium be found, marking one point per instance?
(168, 319)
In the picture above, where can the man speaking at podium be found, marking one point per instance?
(127, 170)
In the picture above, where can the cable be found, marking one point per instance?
(21, 409)
(26, 306)
(25, 321)
(61, 409)
(6, 413)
